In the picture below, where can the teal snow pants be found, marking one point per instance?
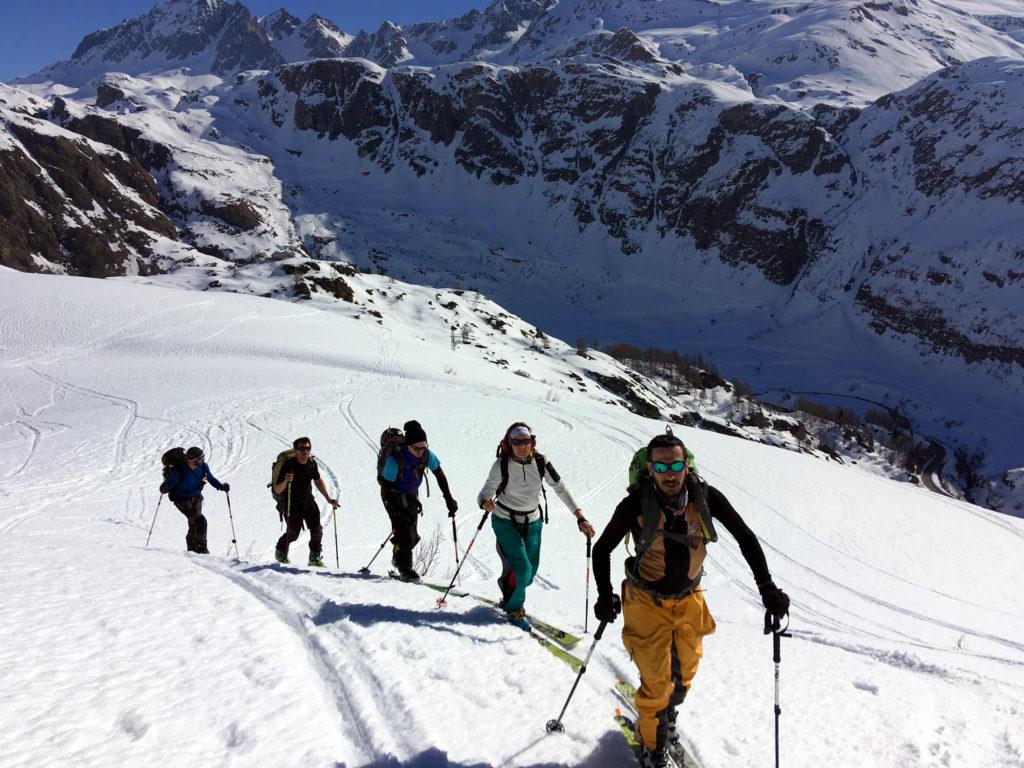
(519, 549)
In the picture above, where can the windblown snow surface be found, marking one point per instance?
(907, 620)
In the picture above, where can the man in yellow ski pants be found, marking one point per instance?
(670, 513)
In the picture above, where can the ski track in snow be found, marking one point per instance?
(320, 658)
(129, 406)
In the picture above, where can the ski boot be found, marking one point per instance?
(316, 561)
(518, 618)
(657, 758)
(410, 575)
(281, 556)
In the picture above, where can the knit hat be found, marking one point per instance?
(414, 433)
(193, 453)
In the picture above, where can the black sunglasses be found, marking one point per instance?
(304, 448)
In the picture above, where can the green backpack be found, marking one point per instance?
(638, 473)
(638, 464)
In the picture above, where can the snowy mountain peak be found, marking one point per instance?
(387, 46)
(280, 24)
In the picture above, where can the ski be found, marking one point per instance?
(628, 728)
(550, 643)
(565, 639)
(398, 577)
(625, 692)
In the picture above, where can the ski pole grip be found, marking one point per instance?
(600, 630)
(588, 546)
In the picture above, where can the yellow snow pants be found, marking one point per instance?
(664, 639)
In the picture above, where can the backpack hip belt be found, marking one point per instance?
(515, 513)
(657, 595)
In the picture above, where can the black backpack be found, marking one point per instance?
(172, 460)
(392, 440)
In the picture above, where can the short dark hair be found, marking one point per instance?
(665, 441)
(300, 440)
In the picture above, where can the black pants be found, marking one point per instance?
(303, 512)
(404, 511)
(192, 509)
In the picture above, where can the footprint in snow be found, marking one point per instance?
(863, 686)
(132, 724)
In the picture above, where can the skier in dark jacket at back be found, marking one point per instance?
(184, 487)
(400, 479)
(298, 475)
(669, 513)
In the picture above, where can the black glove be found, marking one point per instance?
(607, 607)
(452, 504)
(164, 488)
(226, 487)
(776, 602)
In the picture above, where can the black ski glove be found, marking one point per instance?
(776, 602)
(164, 488)
(225, 487)
(607, 607)
(452, 504)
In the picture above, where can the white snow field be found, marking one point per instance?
(907, 620)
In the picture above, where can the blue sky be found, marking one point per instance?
(35, 33)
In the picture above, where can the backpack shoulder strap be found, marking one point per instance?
(698, 489)
(542, 467)
(504, 477)
(651, 512)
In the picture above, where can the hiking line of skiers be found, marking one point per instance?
(669, 511)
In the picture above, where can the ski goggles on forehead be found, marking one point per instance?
(661, 467)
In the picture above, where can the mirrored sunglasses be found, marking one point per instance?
(661, 467)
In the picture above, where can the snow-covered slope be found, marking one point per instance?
(114, 654)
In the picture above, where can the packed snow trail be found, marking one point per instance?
(904, 626)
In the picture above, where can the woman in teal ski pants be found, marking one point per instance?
(512, 494)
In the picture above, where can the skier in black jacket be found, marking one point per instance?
(670, 514)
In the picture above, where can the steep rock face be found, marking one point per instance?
(72, 206)
(939, 222)
(753, 183)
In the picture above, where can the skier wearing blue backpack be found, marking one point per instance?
(402, 463)
(185, 475)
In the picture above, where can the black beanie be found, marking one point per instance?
(193, 453)
(414, 433)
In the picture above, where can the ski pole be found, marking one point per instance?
(441, 602)
(154, 520)
(366, 568)
(773, 625)
(337, 560)
(555, 726)
(455, 540)
(234, 539)
(586, 605)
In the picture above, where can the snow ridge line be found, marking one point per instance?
(319, 656)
